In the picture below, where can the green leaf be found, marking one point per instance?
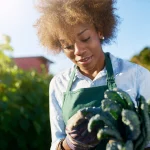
(37, 127)
(24, 123)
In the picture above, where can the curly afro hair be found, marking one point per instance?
(59, 16)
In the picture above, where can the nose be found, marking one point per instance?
(79, 48)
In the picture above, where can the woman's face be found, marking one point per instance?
(86, 51)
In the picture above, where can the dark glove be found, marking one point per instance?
(78, 136)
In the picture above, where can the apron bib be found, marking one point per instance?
(87, 97)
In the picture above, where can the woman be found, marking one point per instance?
(79, 28)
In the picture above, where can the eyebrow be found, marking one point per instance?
(82, 32)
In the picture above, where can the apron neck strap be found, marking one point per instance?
(110, 75)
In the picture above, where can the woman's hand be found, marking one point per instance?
(78, 136)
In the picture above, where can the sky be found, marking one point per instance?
(17, 18)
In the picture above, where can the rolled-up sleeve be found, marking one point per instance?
(56, 119)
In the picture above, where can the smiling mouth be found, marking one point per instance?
(85, 60)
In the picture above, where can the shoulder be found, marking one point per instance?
(60, 80)
(58, 86)
(131, 77)
(125, 66)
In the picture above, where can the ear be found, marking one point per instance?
(100, 35)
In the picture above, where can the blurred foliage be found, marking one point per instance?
(143, 58)
(5, 46)
(24, 107)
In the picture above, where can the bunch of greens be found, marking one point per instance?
(117, 120)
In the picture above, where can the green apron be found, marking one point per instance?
(87, 97)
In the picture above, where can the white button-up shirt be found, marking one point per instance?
(130, 77)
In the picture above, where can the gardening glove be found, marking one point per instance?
(78, 137)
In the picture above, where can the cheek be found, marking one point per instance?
(95, 47)
(95, 43)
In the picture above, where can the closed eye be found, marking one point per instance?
(69, 47)
(85, 40)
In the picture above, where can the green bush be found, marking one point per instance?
(142, 58)
(24, 110)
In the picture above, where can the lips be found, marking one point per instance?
(85, 60)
